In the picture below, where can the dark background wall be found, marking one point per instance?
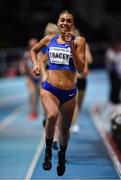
(98, 20)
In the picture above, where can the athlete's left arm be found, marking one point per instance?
(88, 60)
(78, 52)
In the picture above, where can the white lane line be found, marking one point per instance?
(11, 118)
(101, 129)
(35, 158)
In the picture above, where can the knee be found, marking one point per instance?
(53, 116)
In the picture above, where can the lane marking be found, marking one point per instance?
(36, 158)
(11, 118)
(101, 129)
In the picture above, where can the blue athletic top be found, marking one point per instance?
(43, 49)
(60, 56)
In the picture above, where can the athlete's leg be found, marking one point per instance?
(32, 97)
(81, 84)
(67, 110)
(80, 98)
(51, 107)
(56, 136)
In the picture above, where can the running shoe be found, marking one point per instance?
(47, 165)
(75, 128)
(33, 116)
(61, 163)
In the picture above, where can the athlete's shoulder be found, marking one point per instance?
(49, 38)
(80, 40)
(46, 39)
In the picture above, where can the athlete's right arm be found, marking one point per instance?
(34, 51)
(36, 48)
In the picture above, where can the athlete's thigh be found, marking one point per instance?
(67, 111)
(49, 101)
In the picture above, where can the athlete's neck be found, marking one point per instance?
(61, 38)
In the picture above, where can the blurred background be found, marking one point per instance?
(99, 21)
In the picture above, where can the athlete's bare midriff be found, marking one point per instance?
(62, 79)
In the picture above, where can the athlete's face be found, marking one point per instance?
(65, 23)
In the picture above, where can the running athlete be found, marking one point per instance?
(33, 82)
(81, 85)
(58, 94)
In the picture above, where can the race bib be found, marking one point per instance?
(59, 55)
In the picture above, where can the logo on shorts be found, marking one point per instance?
(71, 94)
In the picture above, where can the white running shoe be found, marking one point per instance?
(75, 128)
